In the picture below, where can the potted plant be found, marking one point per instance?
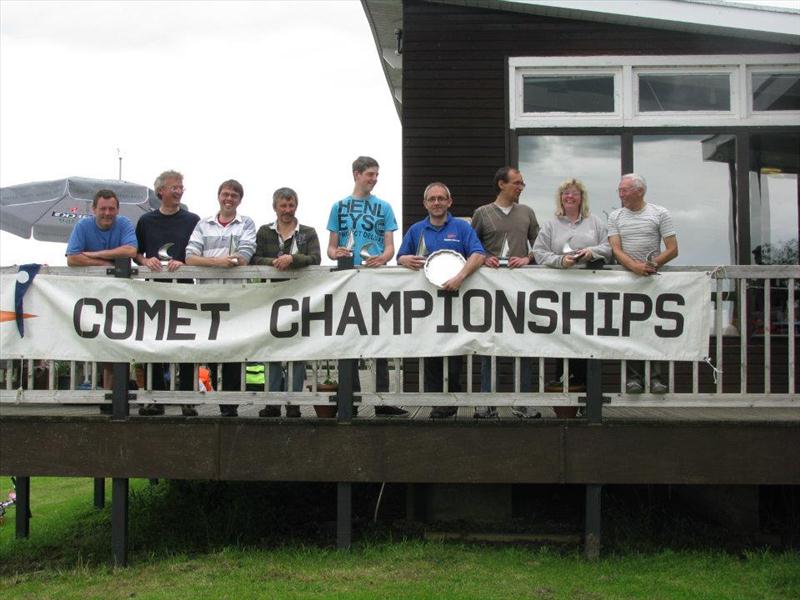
(328, 385)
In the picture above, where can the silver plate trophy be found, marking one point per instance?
(443, 265)
(163, 253)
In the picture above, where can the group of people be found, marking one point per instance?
(361, 227)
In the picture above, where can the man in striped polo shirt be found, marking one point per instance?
(635, 232)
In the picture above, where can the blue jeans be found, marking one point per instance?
(276, 378)
(526, 375)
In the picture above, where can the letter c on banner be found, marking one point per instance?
(76, 317)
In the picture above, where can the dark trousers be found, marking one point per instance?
(434, 373)
(381, 376)
(231, 380)
(185, 372)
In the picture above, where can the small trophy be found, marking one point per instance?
(422, 249)
(650, 260)
(504, 252)
(233, 248)
(567, 250)
(350, 241)
(367, 251)
(164, 255)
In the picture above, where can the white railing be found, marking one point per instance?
(751, 363)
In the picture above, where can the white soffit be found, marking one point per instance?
(710, 16)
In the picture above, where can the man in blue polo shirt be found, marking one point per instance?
(440, 230)
(98, 241)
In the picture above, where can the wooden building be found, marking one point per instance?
(700, 97)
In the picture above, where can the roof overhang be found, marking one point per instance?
(781, 25)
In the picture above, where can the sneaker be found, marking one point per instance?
(390, 411)
(229, 411)
(187, 410)
(151, 410)
(443, 412)
(634, 387)
(485, 412)
(656, 387)
(522, 412)
(293, 412)
(268, 411)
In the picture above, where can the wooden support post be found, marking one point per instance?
(347, 368)
(23, 524)
(591, 542)
(99, 492)
(344, 506)
(119, 521)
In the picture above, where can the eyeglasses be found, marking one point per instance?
(177, 188)
(518, 183)
(434, 199)
(233, 195)
(575, 193)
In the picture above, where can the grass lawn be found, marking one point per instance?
(176, 555)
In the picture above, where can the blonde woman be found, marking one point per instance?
(574, 236)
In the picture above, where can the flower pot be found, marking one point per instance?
(566, 412)
(326, 411)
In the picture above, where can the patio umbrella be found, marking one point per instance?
(50, 209)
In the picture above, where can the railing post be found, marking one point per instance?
(99, 492)
(594, 391)
(23, 503)
(119, 396)
(347, 368)
(119, 521)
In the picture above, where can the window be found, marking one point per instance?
(691, 176)
(572, 94)
(776, 91)
(684, 92)
(547, 160)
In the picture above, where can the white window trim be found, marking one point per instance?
(731, 72)
(615, 73)
(625, 69)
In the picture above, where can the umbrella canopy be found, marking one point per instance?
(50, 209)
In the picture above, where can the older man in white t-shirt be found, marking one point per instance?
(635, 232)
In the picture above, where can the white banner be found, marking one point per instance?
(389, 312)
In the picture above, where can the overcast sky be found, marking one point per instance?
(270, 93)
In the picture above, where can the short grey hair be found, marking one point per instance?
(638, 180)
(284, 193)
(435, 184)
(162, 179)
